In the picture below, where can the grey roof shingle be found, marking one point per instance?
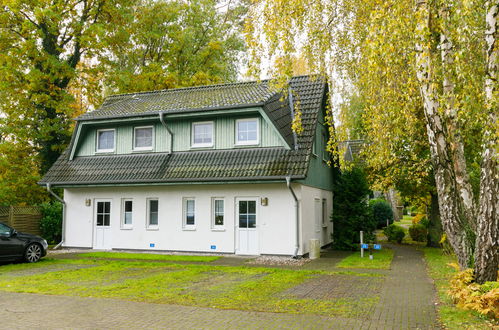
(210, 165)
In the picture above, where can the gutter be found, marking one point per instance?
(63, 216)
(297, 218)
(162, 120)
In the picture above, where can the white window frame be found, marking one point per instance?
(214, 226)
(203, 145)
(318, 214)
(252, 142)
(135, 148)
(324, 212)
(185, 226)
(97, 140)
(148, 213)
(123, 224)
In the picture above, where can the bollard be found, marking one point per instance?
(315, 249)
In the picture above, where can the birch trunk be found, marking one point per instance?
(487, 242)
(452, 210)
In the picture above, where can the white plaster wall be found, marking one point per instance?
(307, 217)
(276, 226)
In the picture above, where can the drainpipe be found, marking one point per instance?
(63, 215)
(297, 217)
(162, 120)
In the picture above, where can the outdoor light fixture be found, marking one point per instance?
(264, 201)
(88, 202)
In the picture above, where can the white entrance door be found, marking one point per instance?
(247, 231)
(102, 221)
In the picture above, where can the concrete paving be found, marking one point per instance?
(407, 301)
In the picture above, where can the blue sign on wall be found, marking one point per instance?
(151, 244)
(213, 247)
(364, 246)
(377, 246)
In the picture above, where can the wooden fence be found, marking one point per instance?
(25, 219)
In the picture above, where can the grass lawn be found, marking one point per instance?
(224, 287)
(382, 259)
(148, 256)
(451, 316)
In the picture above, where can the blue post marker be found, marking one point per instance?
(364, 246)
(213, 247)
(377, 246)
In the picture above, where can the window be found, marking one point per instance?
(202, 134)
(127, 212)
(218, 206)
(4, 230)
(247, 214)
(189, 212)
(103, 214)
(318, 214)
(143, 138)
(324, 212)
(247, 131)
(152, 212)
(105, 140)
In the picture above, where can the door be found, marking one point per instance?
(102, 221)
(247, 229)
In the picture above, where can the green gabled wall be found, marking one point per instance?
(181, 128)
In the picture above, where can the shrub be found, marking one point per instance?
(51, 223)
(417, 219)
(468, 295)
(351, 211)
(418, 232)
(381, 212)
(394, 233)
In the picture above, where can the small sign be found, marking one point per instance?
(377, 246)
(152, 245)
(364, 246)
(213, 247)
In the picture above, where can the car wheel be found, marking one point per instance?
(33, 253)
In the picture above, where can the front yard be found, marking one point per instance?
(197, 281)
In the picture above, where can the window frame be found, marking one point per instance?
(135, 148)
(97, 150)
(247, 143)
(123, 213)
(324, 212)
(214, 226)
(186, 226)
(193, 134)
(149, 226)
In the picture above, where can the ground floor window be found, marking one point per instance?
(127, 212)
(189, 212)
(218, 209)
(152, 212)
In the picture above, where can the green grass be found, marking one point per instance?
(147, 256)
(224, 287)
(451, 316)
(382, 259)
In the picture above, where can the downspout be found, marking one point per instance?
(292, 109)
(63, 216)
(162, 120)
(297, 217)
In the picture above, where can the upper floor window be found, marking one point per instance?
(202, 134)
(247, 131)
(143, 138)
(105, 140)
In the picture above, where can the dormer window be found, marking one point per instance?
(247, 131)
(202, 134)
(105, 140)
(143, 138)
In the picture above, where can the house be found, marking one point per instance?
(203, 169)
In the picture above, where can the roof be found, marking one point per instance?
(353, 149)
(245, 164)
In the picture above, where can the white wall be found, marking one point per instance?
(308, 214)
(276, 222)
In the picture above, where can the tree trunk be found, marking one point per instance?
(435, 224)
(453, 214)
(487, 242)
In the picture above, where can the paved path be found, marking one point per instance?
(407, 302)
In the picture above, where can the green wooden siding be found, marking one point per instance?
(224, 132)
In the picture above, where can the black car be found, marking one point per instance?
(16, 246)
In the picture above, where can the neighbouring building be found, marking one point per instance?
(202, 169)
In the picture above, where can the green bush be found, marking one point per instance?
(51, 223)
(351, 210)
(418, 232)
(381, 212)
(394, 233)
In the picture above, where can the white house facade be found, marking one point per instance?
(213, 169)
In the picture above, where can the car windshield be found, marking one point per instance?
(4, 230)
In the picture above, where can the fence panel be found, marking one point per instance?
(25, 219)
